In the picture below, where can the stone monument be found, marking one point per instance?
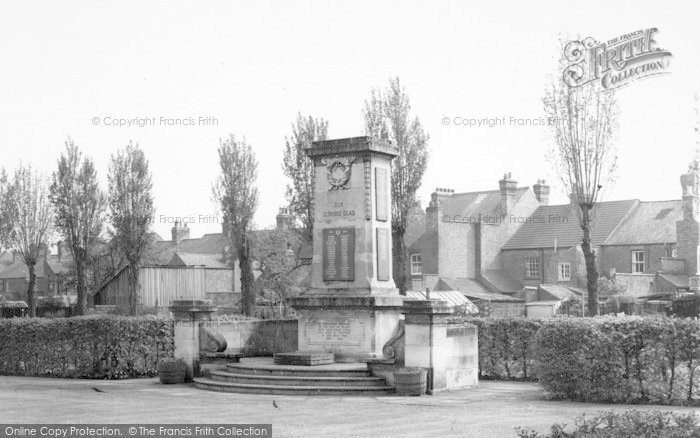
(353, 305)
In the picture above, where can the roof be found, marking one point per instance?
(560, 222)
(460, 284)
(491, 297)
(19, 270)
(58, 267)
(208, 260)
(455, 298)
(469, 288)
(164, 250)
(415, 227)
(501, 280)
(556, 292)
(6, 258)
(650, 222)
(430, 237)
(473, 204)
(677, 280)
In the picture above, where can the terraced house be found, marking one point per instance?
(510, 243)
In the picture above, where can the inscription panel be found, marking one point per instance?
(381, 185)
(339, 254)
(334, 331)
(383, 243)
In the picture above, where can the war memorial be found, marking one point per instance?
(355, 333)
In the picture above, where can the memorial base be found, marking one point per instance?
(354, 329)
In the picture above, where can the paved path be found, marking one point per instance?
(493, 409)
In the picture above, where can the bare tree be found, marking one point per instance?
(387, 115)
(274, 249)
(583, 120)
(299, 168)
(5, 224)
(131, 211)
(236, 192)
(79, 205)
(27, 218)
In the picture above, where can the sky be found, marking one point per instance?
(247, 68)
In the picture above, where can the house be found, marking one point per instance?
(511, 242)
(464, 234)
(51, 272)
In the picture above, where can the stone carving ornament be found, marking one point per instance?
(338, 170)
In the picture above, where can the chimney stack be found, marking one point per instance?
(507, 186)
(541, 190)
(285, 219)
(433, 212)
(180, 233)
(688, 229)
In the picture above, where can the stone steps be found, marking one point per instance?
(296, 380)
(262, 376)
(313, 371)
(217, 385)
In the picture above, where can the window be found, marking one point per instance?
(638, 262)
(416, 264)
(564, 271)
(532, 268)
(674, 252)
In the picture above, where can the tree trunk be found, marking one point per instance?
(82, 295)
(589, 255)
(247, 279)
(133, 289)
(399, 260)
(31, 310)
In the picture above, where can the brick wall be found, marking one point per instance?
(687, 238)
(456, 250)
(637, 284)
(513, 262)
(619, 257)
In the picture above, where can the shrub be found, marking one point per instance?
(650, 424)
(110, 347)
(632, 359)
(506, 346)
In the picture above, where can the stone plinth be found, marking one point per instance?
(448, 351)
(305, 358)
(187, 315)
(355, 329)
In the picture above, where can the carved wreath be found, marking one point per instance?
(338, 170)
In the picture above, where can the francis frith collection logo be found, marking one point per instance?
(616, 62)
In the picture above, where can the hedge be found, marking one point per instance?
(98, 346)
(632, 359)
(506, 346)
(653, 424)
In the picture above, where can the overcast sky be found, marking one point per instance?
(72, 68)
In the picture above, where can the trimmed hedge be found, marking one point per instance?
(98, 346)
(632, 359)
(506, 347)
(653, 424)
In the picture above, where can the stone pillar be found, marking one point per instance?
(448, 351)
(187, 315)
(352, 306)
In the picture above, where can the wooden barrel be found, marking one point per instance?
(410, 381)
(171, 371)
